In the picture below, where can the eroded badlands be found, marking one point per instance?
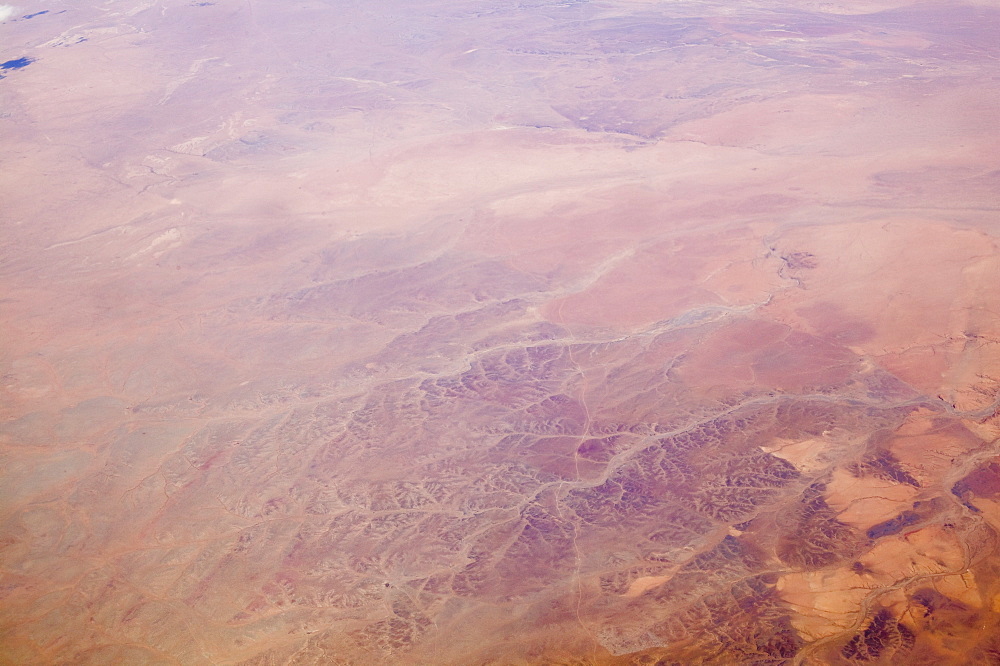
(467, 333)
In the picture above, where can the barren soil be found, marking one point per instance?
(549, 332)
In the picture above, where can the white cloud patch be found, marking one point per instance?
(6, 11)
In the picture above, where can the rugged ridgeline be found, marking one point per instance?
(574, 333)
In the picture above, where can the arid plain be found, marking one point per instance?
(621, 333)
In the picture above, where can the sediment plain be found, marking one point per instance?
(584, 333)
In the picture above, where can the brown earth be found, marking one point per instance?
(456, 333)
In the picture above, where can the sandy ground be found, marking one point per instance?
(460, 333)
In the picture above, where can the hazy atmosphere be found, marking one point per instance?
(579, 333)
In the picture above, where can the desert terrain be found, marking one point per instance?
(620, 333)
